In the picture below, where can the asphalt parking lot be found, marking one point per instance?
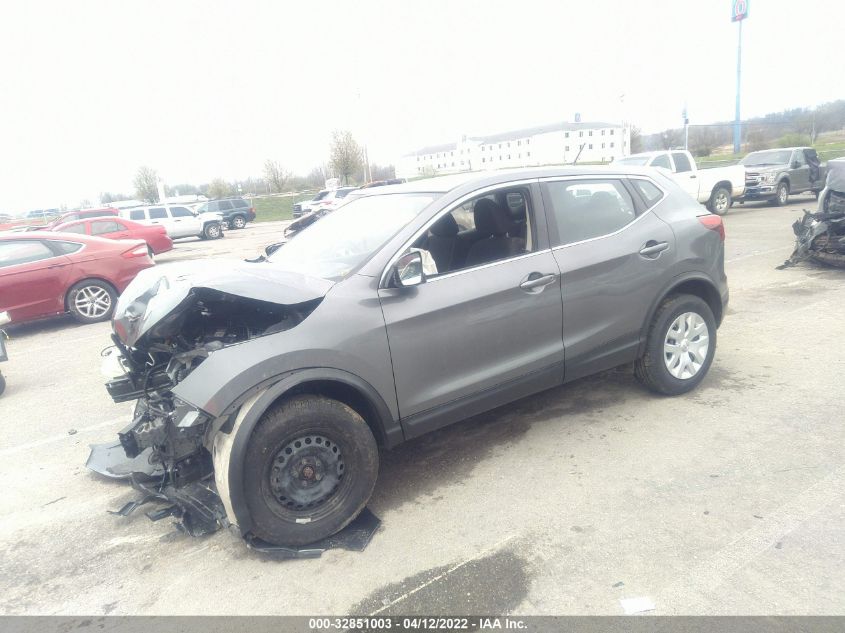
(728, 500)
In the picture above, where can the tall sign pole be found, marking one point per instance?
(739, 12)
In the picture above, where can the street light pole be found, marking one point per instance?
(738, 76)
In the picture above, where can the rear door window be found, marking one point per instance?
(158, 213)
(585, 209)
(101, 227)
(74, 228)
(224, 205)
(137, 214)
(181, 212)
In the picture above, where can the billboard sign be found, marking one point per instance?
(739, 10)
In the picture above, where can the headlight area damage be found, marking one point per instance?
(165, 326)
(821, 236)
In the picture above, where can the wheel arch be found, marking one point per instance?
(693, 284)
(336, 384)
(722, 183)
(89, 278)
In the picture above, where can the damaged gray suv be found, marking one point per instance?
(265, 389)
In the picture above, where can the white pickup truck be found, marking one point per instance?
(716, 187)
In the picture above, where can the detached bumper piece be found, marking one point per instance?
(821, 236)
(354, 537)
(196, 505)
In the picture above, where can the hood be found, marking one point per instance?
(156, 293)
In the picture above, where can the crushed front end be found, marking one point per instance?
(821, 236)
(165, 326)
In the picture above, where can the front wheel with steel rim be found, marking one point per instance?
(720, 201)
(680, 347)
(91, 300)
(782, 194)
(310, 467)
(212, 231)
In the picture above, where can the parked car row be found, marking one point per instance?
(771, 175)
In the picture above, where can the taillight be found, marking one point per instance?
(714, 223)
(136, 251)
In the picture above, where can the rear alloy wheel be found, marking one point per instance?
(212, 231)
(91, 301)
(310, 468)
(237, 222)
(680, 347)
(720, 201)
(782, 194)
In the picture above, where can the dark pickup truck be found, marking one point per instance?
(774, 174)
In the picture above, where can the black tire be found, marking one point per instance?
(782, 193)
(91, 301)
(212, 231)
(651, 369)
(288, 508)
(2, 384)
(237, 222)
(720, 201)
(151, 253)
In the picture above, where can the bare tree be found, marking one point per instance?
(218, 188)
(145, 182)
(275, 175)
(346, 155)
(636, 140)
(317, 177)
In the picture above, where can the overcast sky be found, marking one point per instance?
(196, 90)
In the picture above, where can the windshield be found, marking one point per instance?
(333, 246)
(780, 157)
(632, 160)
(320, 196)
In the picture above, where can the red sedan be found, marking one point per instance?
(44, 274)
(115, 228)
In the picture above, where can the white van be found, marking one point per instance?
(178, 221)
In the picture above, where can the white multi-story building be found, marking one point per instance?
(555, 144)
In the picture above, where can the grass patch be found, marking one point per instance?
(277, 207)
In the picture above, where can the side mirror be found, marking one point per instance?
(408, 271)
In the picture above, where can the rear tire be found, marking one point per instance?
(91, 300)
(237, 222)
(677, 357)
(782, 194)
(720, 201)
(2, 384)
(310, 468)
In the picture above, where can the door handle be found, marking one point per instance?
(653, 248)
(693, 176)
(56, 266)
(537, 280)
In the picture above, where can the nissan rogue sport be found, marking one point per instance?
(265, 389)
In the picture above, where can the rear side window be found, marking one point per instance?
(682, 163)
(64, 248)
(15, 252)
(224, 205)
(137, 214)
(662, 161)
(584, 209)
(650, 192)
(158, 213)
(180, 212)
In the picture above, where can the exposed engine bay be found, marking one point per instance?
(166, 448)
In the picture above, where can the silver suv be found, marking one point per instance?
(266, 389)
